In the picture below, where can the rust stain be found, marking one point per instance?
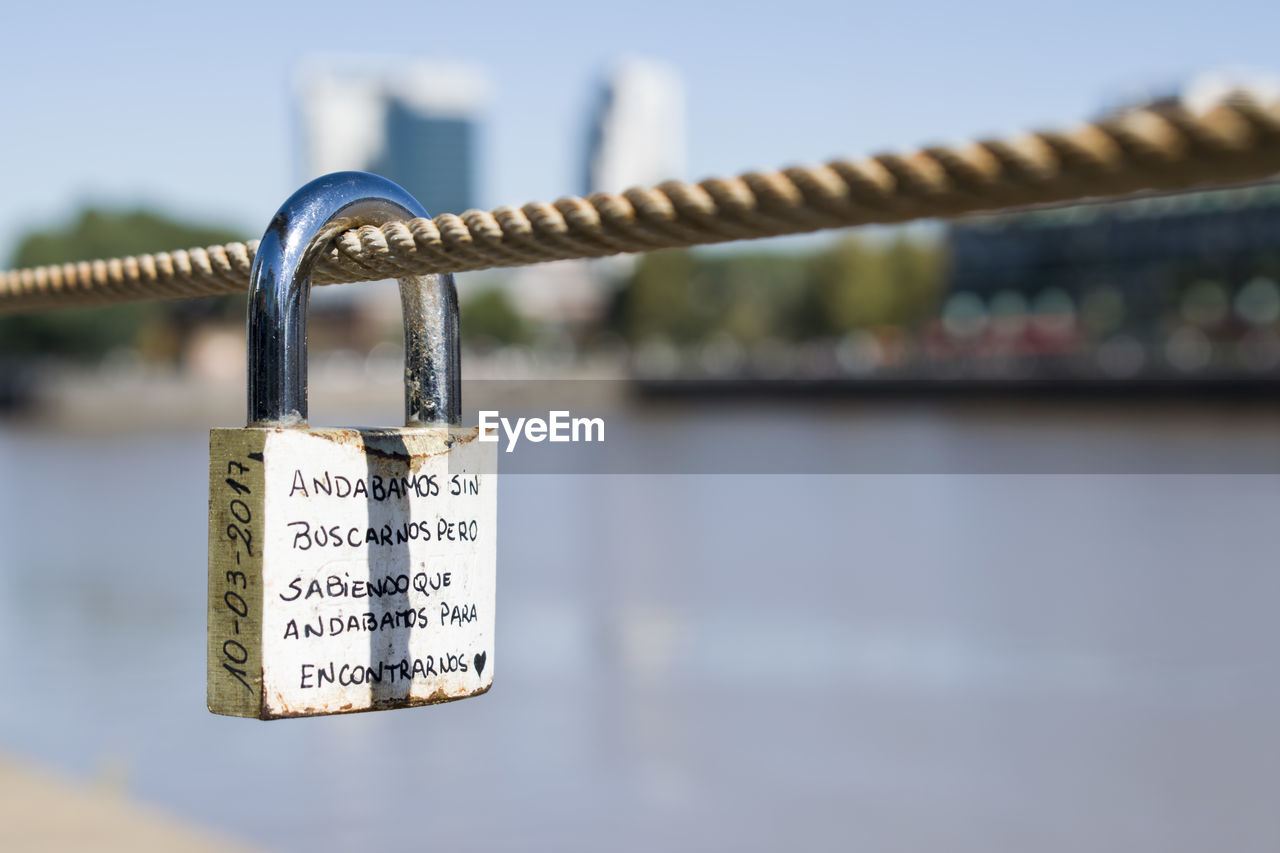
(438, 697)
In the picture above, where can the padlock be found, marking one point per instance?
(349, 569)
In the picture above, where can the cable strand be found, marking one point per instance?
(1157, 148)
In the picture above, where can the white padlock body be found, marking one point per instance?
(378, 568)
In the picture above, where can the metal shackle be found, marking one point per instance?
(280, 287)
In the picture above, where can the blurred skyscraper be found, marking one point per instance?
(636, 137)
(412, 122)
(637, 129)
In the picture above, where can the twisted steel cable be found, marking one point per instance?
(1158, 148)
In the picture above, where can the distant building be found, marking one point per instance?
(636, 137)
(412, 122)
(431, 156)
(1181, 283)
(1150, 272)
(637, 134)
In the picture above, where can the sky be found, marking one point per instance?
(188, 107)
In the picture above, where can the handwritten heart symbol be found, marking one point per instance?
(479, 661)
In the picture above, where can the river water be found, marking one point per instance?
(953, 659)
